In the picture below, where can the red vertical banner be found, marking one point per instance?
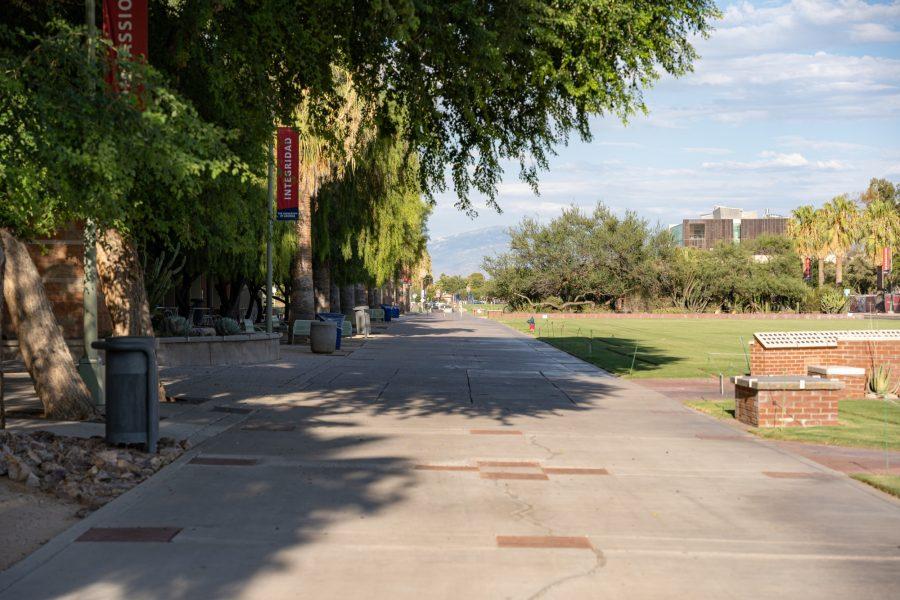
(125, 25)
(886, 260)
(807, 268)
(288, 207)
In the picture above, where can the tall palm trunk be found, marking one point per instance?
(122, 283)
(303, 300)
(348, 298)
(322, 280)
(361, 298)
(335, 298)
(2, 403)
(41, 343)
(838, 270)
(370, 297)
(821, 272)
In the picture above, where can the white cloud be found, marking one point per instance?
(707, 150)
(796, 141)
(770, 160)
(873, 32)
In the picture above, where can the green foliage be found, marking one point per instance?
(371, 220)
(880, 380)
(70, 150)
(160, 273)
(174, 326)
(832, 300)
(579, 258)
(227, 326)
(451, 284)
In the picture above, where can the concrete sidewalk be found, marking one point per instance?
(454, 458)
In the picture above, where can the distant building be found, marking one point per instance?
(727, 223)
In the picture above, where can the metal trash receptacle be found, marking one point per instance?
(132, 390)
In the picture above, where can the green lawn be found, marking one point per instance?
(675, 348)
(864, 424)
(885, 483)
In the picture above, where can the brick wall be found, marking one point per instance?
(60, 261)
(850, 353)
(787, 408)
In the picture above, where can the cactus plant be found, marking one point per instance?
(880, 381)
(226, 326)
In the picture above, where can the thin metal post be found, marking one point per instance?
(269, 235)
(721, 385)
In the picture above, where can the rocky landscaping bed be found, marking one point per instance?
(86, 471)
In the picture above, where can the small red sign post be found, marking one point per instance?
(886, 260)
(807, 268)
(288, 207)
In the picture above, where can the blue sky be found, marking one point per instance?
(790, 103)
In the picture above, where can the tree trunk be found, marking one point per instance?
(361, 295)
(2, 357)
(41, 343)
(379, 296)
(838, 270)
(335, 297)
(122, 283)
(348, 299)
(370, 297)
(821, 272)
(303, 303)
(322, 279)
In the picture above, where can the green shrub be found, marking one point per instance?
(175, 327)
(226, 326)
(832, 300)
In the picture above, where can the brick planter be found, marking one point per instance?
(785, 401)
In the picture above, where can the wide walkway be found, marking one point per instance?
(453, 458)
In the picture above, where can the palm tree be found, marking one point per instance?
(880, 228)
(326, 150)
(841, 218)
(808, 230)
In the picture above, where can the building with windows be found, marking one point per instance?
(727, 223)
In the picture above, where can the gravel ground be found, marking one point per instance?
(28, 519)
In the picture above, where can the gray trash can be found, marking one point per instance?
(132, 390)
(361, 314)
(322, 336)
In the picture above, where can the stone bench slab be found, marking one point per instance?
(786, 382)
(833, 370)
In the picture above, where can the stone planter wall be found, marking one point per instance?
(244, 349)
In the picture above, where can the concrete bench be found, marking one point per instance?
(853, 378)
(347, 328)
(376, 314)
(786, 400)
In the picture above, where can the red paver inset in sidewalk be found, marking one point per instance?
(495, 432)
(543, 541)
(575, 471)
(508, 463)
(129, 534)
(721, 437)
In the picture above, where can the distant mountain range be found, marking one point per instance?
(462, 253)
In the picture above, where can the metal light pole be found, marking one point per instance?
(269, 201)
(89, 365)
